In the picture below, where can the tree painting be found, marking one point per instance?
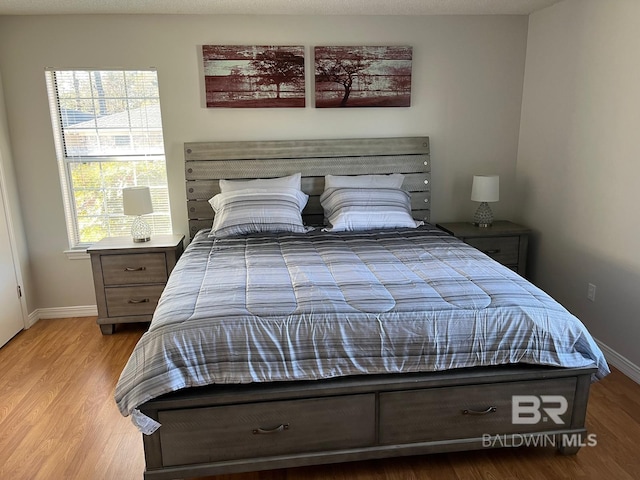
(363, 77)
(253, 76)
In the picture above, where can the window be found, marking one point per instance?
(108, 133)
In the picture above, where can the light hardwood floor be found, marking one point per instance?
(58, 421)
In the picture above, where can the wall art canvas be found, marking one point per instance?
(362, 77)
(253, 76)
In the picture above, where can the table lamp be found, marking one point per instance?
(137, 201)
(485, 188)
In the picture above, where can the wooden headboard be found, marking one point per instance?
(208, 162)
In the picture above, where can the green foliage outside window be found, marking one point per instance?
(98, 196)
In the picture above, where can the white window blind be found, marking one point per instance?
(108, 133)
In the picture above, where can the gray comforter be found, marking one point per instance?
(285, 307)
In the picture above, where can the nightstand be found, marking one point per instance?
(129, 277)
(503, 241)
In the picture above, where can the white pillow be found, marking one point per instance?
(291, 181)
(393, 180)
(241, 212)
(348, 209)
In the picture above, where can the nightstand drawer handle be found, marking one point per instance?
(142, 300)
(138, 269)
(492, 252)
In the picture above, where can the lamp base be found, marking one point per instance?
(484, 216)
(140, 230)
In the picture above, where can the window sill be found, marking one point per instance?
(79, 254)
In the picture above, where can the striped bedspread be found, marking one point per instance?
(284, 307)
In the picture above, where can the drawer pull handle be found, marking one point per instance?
(142, 300)
(264, 431)
(479, 412)
(138, 269)
(492, 252)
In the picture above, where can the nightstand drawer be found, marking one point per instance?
(123, 301)
(134, 268)
(501, 249)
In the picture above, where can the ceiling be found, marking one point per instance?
(274, 7)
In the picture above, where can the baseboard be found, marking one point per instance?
(62, 312)
(623, 364)
(32, 319)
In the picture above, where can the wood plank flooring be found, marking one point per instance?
(58, 421)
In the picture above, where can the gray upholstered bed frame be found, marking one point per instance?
(233, 428)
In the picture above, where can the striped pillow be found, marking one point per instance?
(291, 181)
(349, 209)
(240, 212)
(393, 180)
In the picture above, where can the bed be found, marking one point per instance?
(281, 349)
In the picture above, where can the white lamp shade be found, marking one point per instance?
(137, 201)
(485, 188)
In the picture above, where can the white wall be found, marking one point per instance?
(467, 90)
(579, 162)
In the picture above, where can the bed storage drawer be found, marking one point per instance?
(138, 300)
(267, 429)
(470, 411)
(134, 268)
